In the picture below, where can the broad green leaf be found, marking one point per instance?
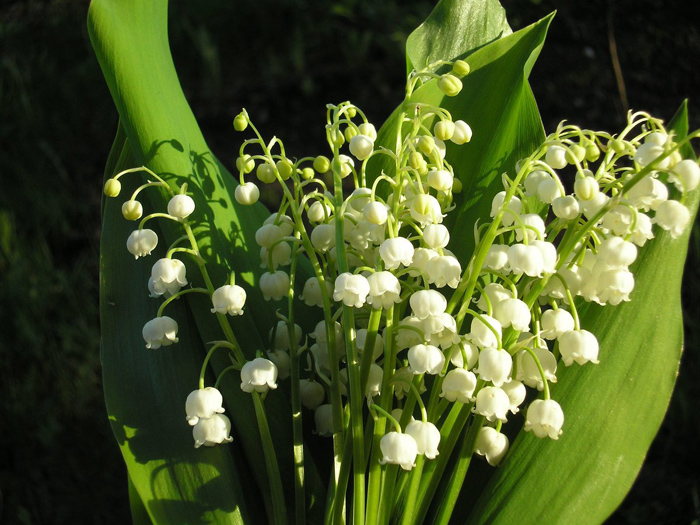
(130, 40)
(454, 29)
(613, 410)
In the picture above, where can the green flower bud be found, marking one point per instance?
(132, 210)
(575, 153)
(426, 145)
(284, 168)
(369, 130)
(337, 138)
(416, 161)
(245, 164)
(617, 145)
(240, 122)
(456, 186)
(350, 132)
(112, 187)
(460, 68)
(592, 151)
(266, 173)
(450, 85)
(307, 173)
(322, 164)
(351, 112)
(444, 130)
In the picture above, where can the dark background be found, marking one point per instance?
(282, 60)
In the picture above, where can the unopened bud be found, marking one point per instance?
(450, 85)
(240, 123)
(460, 68)
(112, 187)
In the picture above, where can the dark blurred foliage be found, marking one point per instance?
(282, 60)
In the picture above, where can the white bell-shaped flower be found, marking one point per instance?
(346, 165)
(398, 449)
(533, 180)
(384, 290)
(281, 256)
(495, 292)
(685, 175)
(425, 359)
(274, 286)
(311, 294)
(203, 403)
(212, 431)
(361, 338)
(492, 444)
(247, 193)
(168, 275)
(141, 242)
(555, 322)
(648, 152)
(132, 210)
(444, 270)
(548, 190)
(323, 417)
(534, 227)
(580, 346)
(513, 312)
(441, 330)
(545, 418)
(228, 299)
(375, 212)
(556, 157)
(268, 234)
(374, 381)
(529, 373)
(407, 334)
(492, 403)
(351, 289)
(402, 380)
(459, 385)
(421, 257)
(427, 302)
(514, 208)
(441, 180)
(321, 336)
(527, 259)
(427, 437)
(319, 211)
(516, 393)
(617, 252)
(615, 286)
(463, 348)
(496, 257)
(673, 217)
(181, 206)
(482, 332)
(395, 252)
(549, 255)
(566, 207)
(283, 363)
(643, 230)
(495, 366)
(361, 146)
(368, 129)
(586, 188)
(618, 220)
(594, 205)
(281, 336)
(312, 393)
(425, 210)
(462, 133)
(436, 236)
(161, 331)
(258, 375)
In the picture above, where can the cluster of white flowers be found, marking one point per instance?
(401, 319)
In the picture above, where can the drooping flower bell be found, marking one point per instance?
(545, 418)
(312, 393)
(492, 444)
(384, 290)
(161, 331)
(274, 285)
(351, 289)
(427, 437)
(168, 276)
(259, 374)
(426, 359)
(398, 449)
(459, 385)
(212, 431)
(228, 299)
(203, 403)
(181, 206)
(492, 403)
(141, 242)
(580, 346)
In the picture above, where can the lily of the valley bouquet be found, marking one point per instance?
(448, 317)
